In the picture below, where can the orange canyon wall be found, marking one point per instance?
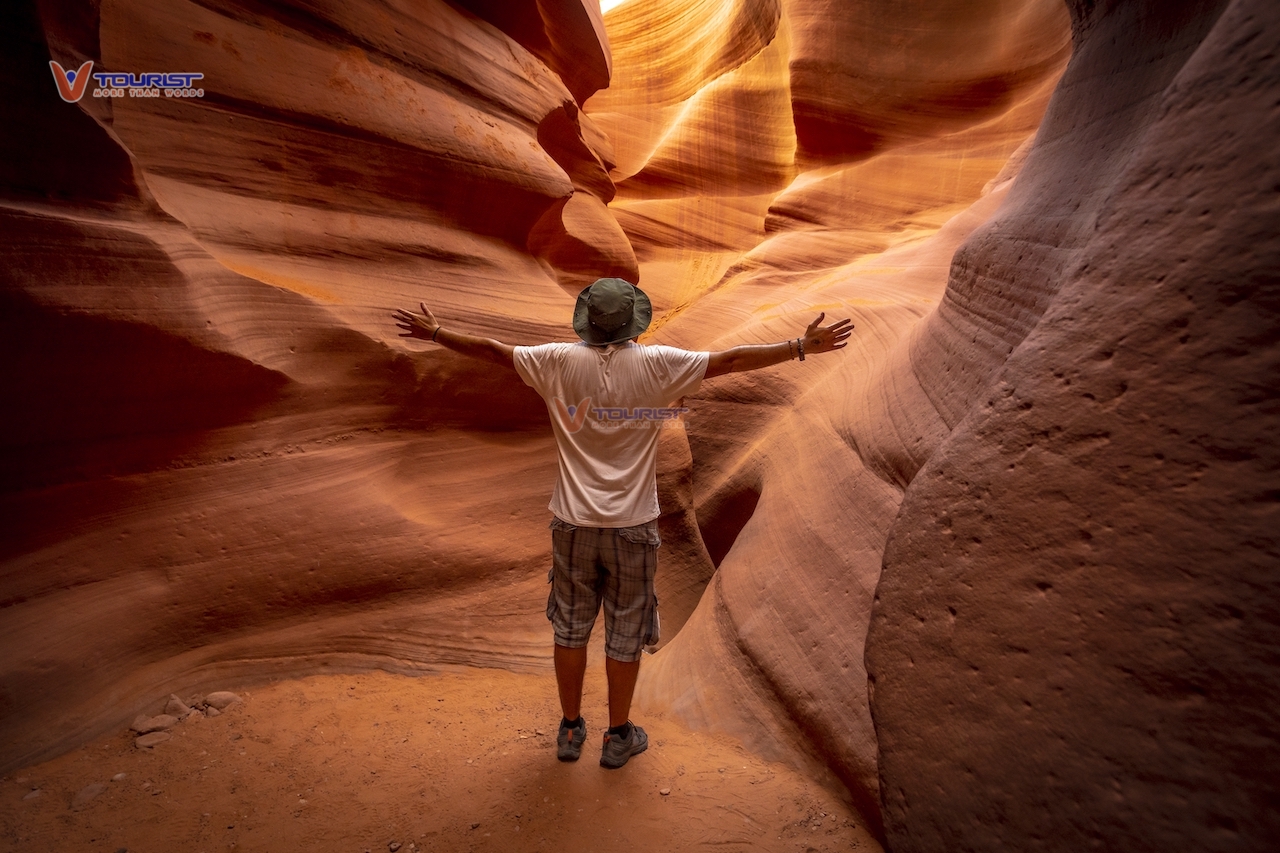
(1049, 429)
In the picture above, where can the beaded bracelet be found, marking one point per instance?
(800, 343)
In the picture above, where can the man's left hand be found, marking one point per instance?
(819, 338)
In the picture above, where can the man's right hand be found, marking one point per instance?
(424, 327)
(417, 326)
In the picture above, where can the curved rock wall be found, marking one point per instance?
(867, 77)
(797, 472)
(224, 463)
(1073, 640)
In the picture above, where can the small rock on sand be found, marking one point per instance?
(149, 740)
(87, 793)
(665, 791)
(176, 707)
(221, 699)
(36, 793)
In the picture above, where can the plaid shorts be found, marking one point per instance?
(613, 565)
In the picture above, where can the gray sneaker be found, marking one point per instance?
(569, 741)
(617, 751)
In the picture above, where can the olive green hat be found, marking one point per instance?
(611, 310)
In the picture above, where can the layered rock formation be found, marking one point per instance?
(222, 459)
(1049, 428)
(797, 471)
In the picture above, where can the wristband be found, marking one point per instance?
(433, 334)
(800, 343)
(790, 348)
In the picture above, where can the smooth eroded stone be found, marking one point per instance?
(221, 699)
(149, 740)
(158, 723)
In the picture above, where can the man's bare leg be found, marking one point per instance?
(571, 668)
(622, 684)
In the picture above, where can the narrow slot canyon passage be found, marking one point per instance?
(1000, 573)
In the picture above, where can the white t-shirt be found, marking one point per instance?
(607, 406)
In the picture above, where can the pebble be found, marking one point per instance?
(36, 793)
(221, 699)
(119, 777)
(393, 846)
(147, 725)
(176, 707)
(665, 791)
(87, 793)
(149, 740)
(213, 712)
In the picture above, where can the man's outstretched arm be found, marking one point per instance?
(816, 339)
(424, 327)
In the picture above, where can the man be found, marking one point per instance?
(607, 397)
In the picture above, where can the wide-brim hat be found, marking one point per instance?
(611, 310)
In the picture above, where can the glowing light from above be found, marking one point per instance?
(606, 5)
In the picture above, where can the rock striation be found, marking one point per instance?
(220, 436)
(791, 467)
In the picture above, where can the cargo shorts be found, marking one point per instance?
(610, 565)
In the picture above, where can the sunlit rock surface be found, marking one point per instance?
(798, 471)
(225, 465)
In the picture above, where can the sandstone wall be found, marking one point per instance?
(220, 461)
(1073, 639)
(797, 470)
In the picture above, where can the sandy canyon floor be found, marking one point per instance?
(377, 762)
